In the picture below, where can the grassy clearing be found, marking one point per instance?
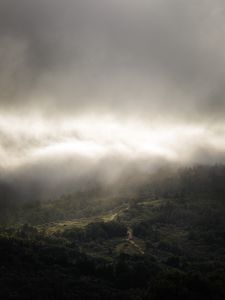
(53, 227)
(151, 203)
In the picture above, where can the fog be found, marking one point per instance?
(95, 89)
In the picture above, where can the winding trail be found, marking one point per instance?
(130, 239)
(130, 236)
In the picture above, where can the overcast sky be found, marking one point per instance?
(97, 79)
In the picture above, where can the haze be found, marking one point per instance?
(89, 85)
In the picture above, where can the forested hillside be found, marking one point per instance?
(162, 240)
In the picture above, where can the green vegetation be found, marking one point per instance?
(80, 249)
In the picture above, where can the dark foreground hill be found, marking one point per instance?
(164, 240)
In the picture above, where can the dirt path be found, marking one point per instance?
(130, 239)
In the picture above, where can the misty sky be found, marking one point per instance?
(94, 81)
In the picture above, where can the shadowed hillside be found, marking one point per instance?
(163, 240)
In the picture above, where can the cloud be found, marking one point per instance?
(115, 77)
(130, 56)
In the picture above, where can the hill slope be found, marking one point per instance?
(165, 241)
